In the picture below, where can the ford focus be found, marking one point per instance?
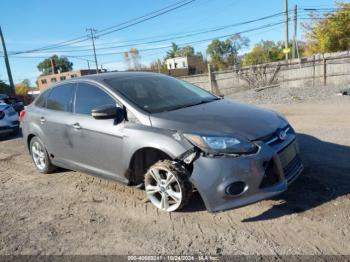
(164, 135)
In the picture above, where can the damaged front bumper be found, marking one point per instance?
(226, 182)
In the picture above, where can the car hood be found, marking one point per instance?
(221, 117)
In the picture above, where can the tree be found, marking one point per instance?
(185, 51)
(177, 51)
(172, 52)
(158, 66)
(136, 59)
(62, 65)
(23, 87)
(264, 52)
(224, 54)
(331, 34)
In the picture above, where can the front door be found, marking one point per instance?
(97, 144)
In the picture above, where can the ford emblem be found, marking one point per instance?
(282, 135)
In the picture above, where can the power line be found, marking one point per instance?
(203, 31)
(183, 36)
(185, 2)
(187, 43)
(195, 42)
(85, 38)
(190, 35)
(146, 19)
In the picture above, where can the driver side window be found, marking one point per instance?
(88, 97)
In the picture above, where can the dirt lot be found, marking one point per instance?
(72, 213)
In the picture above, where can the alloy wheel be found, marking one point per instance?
(38, 154)
(163, 189)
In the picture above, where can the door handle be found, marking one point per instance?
(42, 120)
(76, 126)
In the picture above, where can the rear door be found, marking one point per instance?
(97, 144)
(58, 121)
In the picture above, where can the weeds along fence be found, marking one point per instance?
(331, 69)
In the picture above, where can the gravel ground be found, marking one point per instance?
(73, 213)
(290, 95)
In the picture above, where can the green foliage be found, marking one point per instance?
(177, 51)
(264, 52)
(331, 34)
(172, 52)
(224, 54)
(185, 51)
(23, 87)
(62, 65)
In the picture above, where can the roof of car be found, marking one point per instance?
(112, 75)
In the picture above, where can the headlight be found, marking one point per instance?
(222, 144)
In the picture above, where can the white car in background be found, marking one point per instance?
(9, 122)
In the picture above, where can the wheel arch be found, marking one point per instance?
(142, 159)
(29, 138)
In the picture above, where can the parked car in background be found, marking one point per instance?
(163, 134)
(16, 103)
(9, 122)
(2, 96)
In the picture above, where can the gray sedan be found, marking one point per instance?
(164, 135)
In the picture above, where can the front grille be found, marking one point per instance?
(288, 153)
(291, 170)
(291, 164)
(271, 175)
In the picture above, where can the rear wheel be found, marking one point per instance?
(40, 156)
(167, 185)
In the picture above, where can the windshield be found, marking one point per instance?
(160, 93)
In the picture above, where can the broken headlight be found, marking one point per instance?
(222, 144)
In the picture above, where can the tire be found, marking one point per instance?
(167, 185)
(40, 156)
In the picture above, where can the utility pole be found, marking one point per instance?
(53, 66)
(7, 63)
(295, 43)
(93, 37)
(88, 63)
(286, 45)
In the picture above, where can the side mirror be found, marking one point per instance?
(107, 112)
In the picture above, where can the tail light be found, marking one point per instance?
(22, 114)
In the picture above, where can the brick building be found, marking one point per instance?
(47, 80)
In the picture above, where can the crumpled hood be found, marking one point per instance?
(221, 117)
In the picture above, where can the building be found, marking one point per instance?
(189, 65)
(47, 80)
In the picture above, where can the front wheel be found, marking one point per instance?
(167, 185)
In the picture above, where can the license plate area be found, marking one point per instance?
(287, 154)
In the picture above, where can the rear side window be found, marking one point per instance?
(41, 101)
(90, 96)
(60, 98)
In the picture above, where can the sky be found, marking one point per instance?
(30, 24)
